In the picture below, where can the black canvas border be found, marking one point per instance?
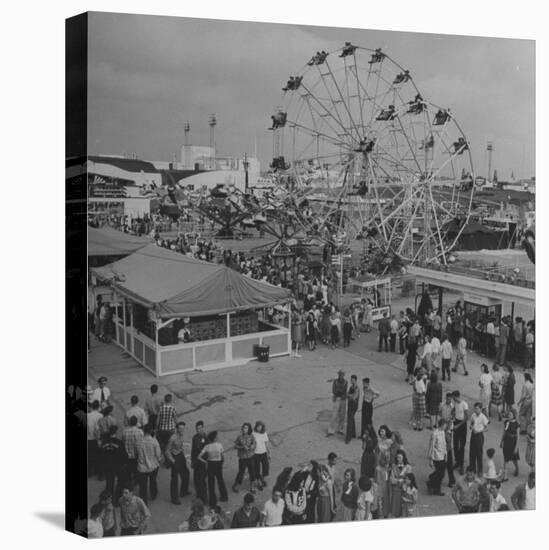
(76, 73)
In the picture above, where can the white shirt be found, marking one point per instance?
(96, 395)
(530, 500)
(139, 413)
(261, 441)
(459, 409)
(490, 328)
(427, 349)
(95, 529)
(435, 344)
(496, 502)
(394, 326)
(93, 419)
(273, 512)
(446, 349)
(479, 423)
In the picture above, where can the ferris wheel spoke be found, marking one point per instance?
(351, 119)
(360, 105)
(313, 133)
(439, 235)
(409, 144)
(331, 100)
(327, 113)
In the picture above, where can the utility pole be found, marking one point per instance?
(246, 166)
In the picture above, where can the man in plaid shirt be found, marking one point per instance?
(132, 437)
(166, 422)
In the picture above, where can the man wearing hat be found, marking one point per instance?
(102, 393)
(339, 399)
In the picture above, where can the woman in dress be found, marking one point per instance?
(261, 454)
(411, 359)
(396, 445)
(367, 320)
(418, 401)
(295, 498)
(369, 459)
(298, 331)
(349, 495)
(531, 445)
(399, 470)
(496, 395)
(433, 399)
(509, 389)
(409, 496)
(311, 489)
(325, 502)
(509, 443)
(325, 324)
(485, 385)
(383, 503)
(525, 402)
(365, 500)
(311, 328)
(384, 441)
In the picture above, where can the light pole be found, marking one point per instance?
(246, 165)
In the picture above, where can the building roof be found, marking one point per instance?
(130, 165)
(175, 285)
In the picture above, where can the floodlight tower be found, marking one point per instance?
(187, 143)
(490, 149)
(212, 122)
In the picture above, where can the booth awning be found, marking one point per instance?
(107, 241)
(176, 285)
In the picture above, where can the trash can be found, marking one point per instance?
(263, 354)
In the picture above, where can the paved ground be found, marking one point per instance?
(293, 397)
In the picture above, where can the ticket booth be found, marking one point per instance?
(377, 292)
(478, 307)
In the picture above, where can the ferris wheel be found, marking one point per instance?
(370, 157)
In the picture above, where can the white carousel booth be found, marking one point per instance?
(378, 291)
(157, 292)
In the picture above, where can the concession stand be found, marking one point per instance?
(174, 313)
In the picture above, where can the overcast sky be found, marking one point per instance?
(149, 74)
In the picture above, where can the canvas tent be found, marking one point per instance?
(106, 241)
(170, 287)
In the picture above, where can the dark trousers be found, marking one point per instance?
(366, 416)
(436, 477)
(393, 339)
(93, 457)
(215, 472)
(383, 339)
(129, 531)
(450, 467)
(261, 466)
(130, 472)
(352, 407)
(152, 421)
(147, 479)
(163, 437)
(402, 343)
(476, 444)
(243, 465)
(199, 480)
(179, 470)
(113, 482)
(468, 510)
(446, 368)
(347, 333)
(460, 440)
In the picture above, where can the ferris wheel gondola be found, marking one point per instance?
(354, 134)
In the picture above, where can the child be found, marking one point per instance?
(365, 500)
(491, 474)
(409, 496)
(496, 498)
